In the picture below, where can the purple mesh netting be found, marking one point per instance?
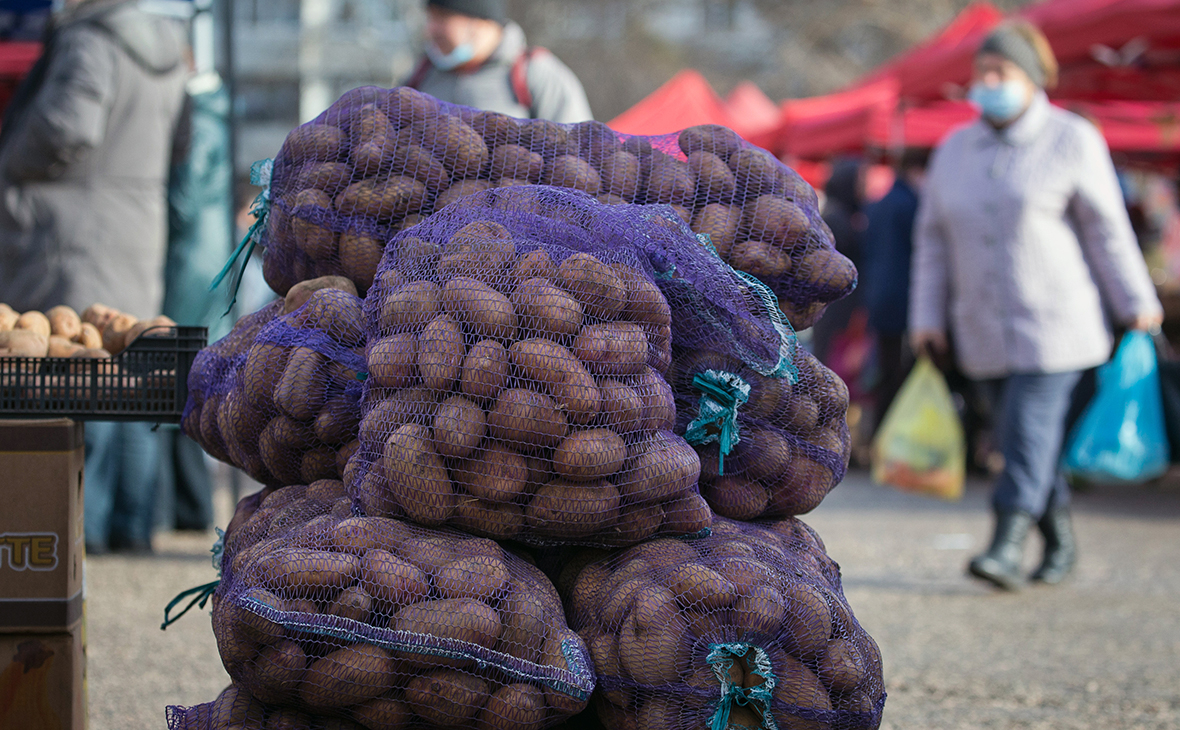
(279, 397)
(794, 440)
(751, 619)
(517, 344)
(379, 160)
(327, 612)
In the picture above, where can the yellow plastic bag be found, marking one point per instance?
(920, 446)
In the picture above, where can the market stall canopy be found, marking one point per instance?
(685, 100)
(751, 110)
(837, 123)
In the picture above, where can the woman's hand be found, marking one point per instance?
(1147, 322)
(930, 342)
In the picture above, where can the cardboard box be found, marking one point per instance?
(43, 680)
(42, 535)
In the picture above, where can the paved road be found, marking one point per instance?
(1101, 652)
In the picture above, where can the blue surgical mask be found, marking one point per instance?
(1001, 103)
(458, 56)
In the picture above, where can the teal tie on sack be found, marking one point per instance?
(202, 593)
(722, 657)
(722, 394)
(261, 173)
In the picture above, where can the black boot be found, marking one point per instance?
(1060, 547)
(1001, 563)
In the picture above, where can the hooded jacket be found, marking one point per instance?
(84, 156)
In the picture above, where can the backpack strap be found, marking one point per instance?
(520, 76)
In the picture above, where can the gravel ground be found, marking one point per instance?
(1101, 652)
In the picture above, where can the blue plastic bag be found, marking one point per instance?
(1120, 436)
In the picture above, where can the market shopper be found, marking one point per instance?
(84, 153)
(843, 212)
(1021, 238)
(477, 57)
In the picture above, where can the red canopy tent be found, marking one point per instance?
(16, 58)
(751, 110)
(685, 100)
(822, 126)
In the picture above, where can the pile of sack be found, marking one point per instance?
(515, 418)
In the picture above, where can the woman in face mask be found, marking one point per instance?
(1024, 253)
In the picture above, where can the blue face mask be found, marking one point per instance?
(1001, 103)
(458, 56)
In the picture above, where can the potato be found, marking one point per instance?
(590, 455)
(298, 295)
(721, 223)
(529, 418)
(700, 588)
(482, 310)
(736, 497)
(775, 220)
(277, 672)
(460, 189)
(8, 317)
(149, 327)
(34, 321)
(455, 144)
(569, 171)
(393, 361)
(827, 268)
(23, 343)
(447, 698)
(440, 353)
(515, 707)
(360, 255)
(88, 336)
(554, 655)
(596, 285)
(64, 322)
(808, 621)
(842, 668)
(670, 181)
(498, 474)
(92, 353)
(458, 427)
(303, 571)
(383, 200)
(546, 310)
(573, 510)
(760, 259)
(409, 405)
(113, 335)
(713, 178)
(481, 577)
(337, 422)
(392, 580)
(659, 467)
(417, 477)
(348, 676)
(301, 390)
(480, 250)
(314, 143)
(645, 301)
(713, 138)
(410, 307)
(381, 713)
(357, 535)
(313, 239)
(517, 162)
(659, 404)
(643, 521)
(563, 375)
(763, 453)
(535, 264)
(331, 177)
(755, 172)
(797, 685)
(490, 519)
(614, 348)
(622, 408)
(620, 175)
(99, 315)
(656, 655)
(485, 371)
(417, 162)
(234, 707)
(461, 619)
(265, 364)
(526, 621)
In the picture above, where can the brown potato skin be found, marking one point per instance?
(485, 371)
(573, 509)
(348, 676)
(459, 427)
(417, 477)
(568, 171)
(64, 322)
(410, 307)
(622, 408)
(590, 455)
(546, 310)
(498, 474)
(613, 348)
(596, 285)
(447, 698)
(721, 222)
(440, 353)
(462, 619)
(482, 310)
(526, 417)
(393, 361)
(760, 259)
(563, 375)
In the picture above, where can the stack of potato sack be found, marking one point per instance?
(329, 619)
(745, 628)
(516, 356)
(279, 396)
(379, 160)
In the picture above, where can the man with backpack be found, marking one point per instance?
(476, 56)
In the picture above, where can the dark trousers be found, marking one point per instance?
(1030, 411)
(894, 362)
(186, 486)
(122, 468)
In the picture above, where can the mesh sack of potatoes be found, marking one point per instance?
(745, 628)
(516, 355)
(379, 160)
(236, 709)
(284, 406)
(388, 624)
(770, 446)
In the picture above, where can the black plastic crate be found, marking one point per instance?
(148, 381)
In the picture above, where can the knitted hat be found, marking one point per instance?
(1014, 46)
(487, 9)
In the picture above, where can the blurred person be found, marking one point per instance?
(1021, 238)
(200, 238)
(842, 211)
(885, 275)
(477, 57)
(84, 155)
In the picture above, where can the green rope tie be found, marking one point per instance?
(722, 657)
(260, 174)
(201, 593)
(722, 393)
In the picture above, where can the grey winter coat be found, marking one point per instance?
(557, 94)
(84, 157)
